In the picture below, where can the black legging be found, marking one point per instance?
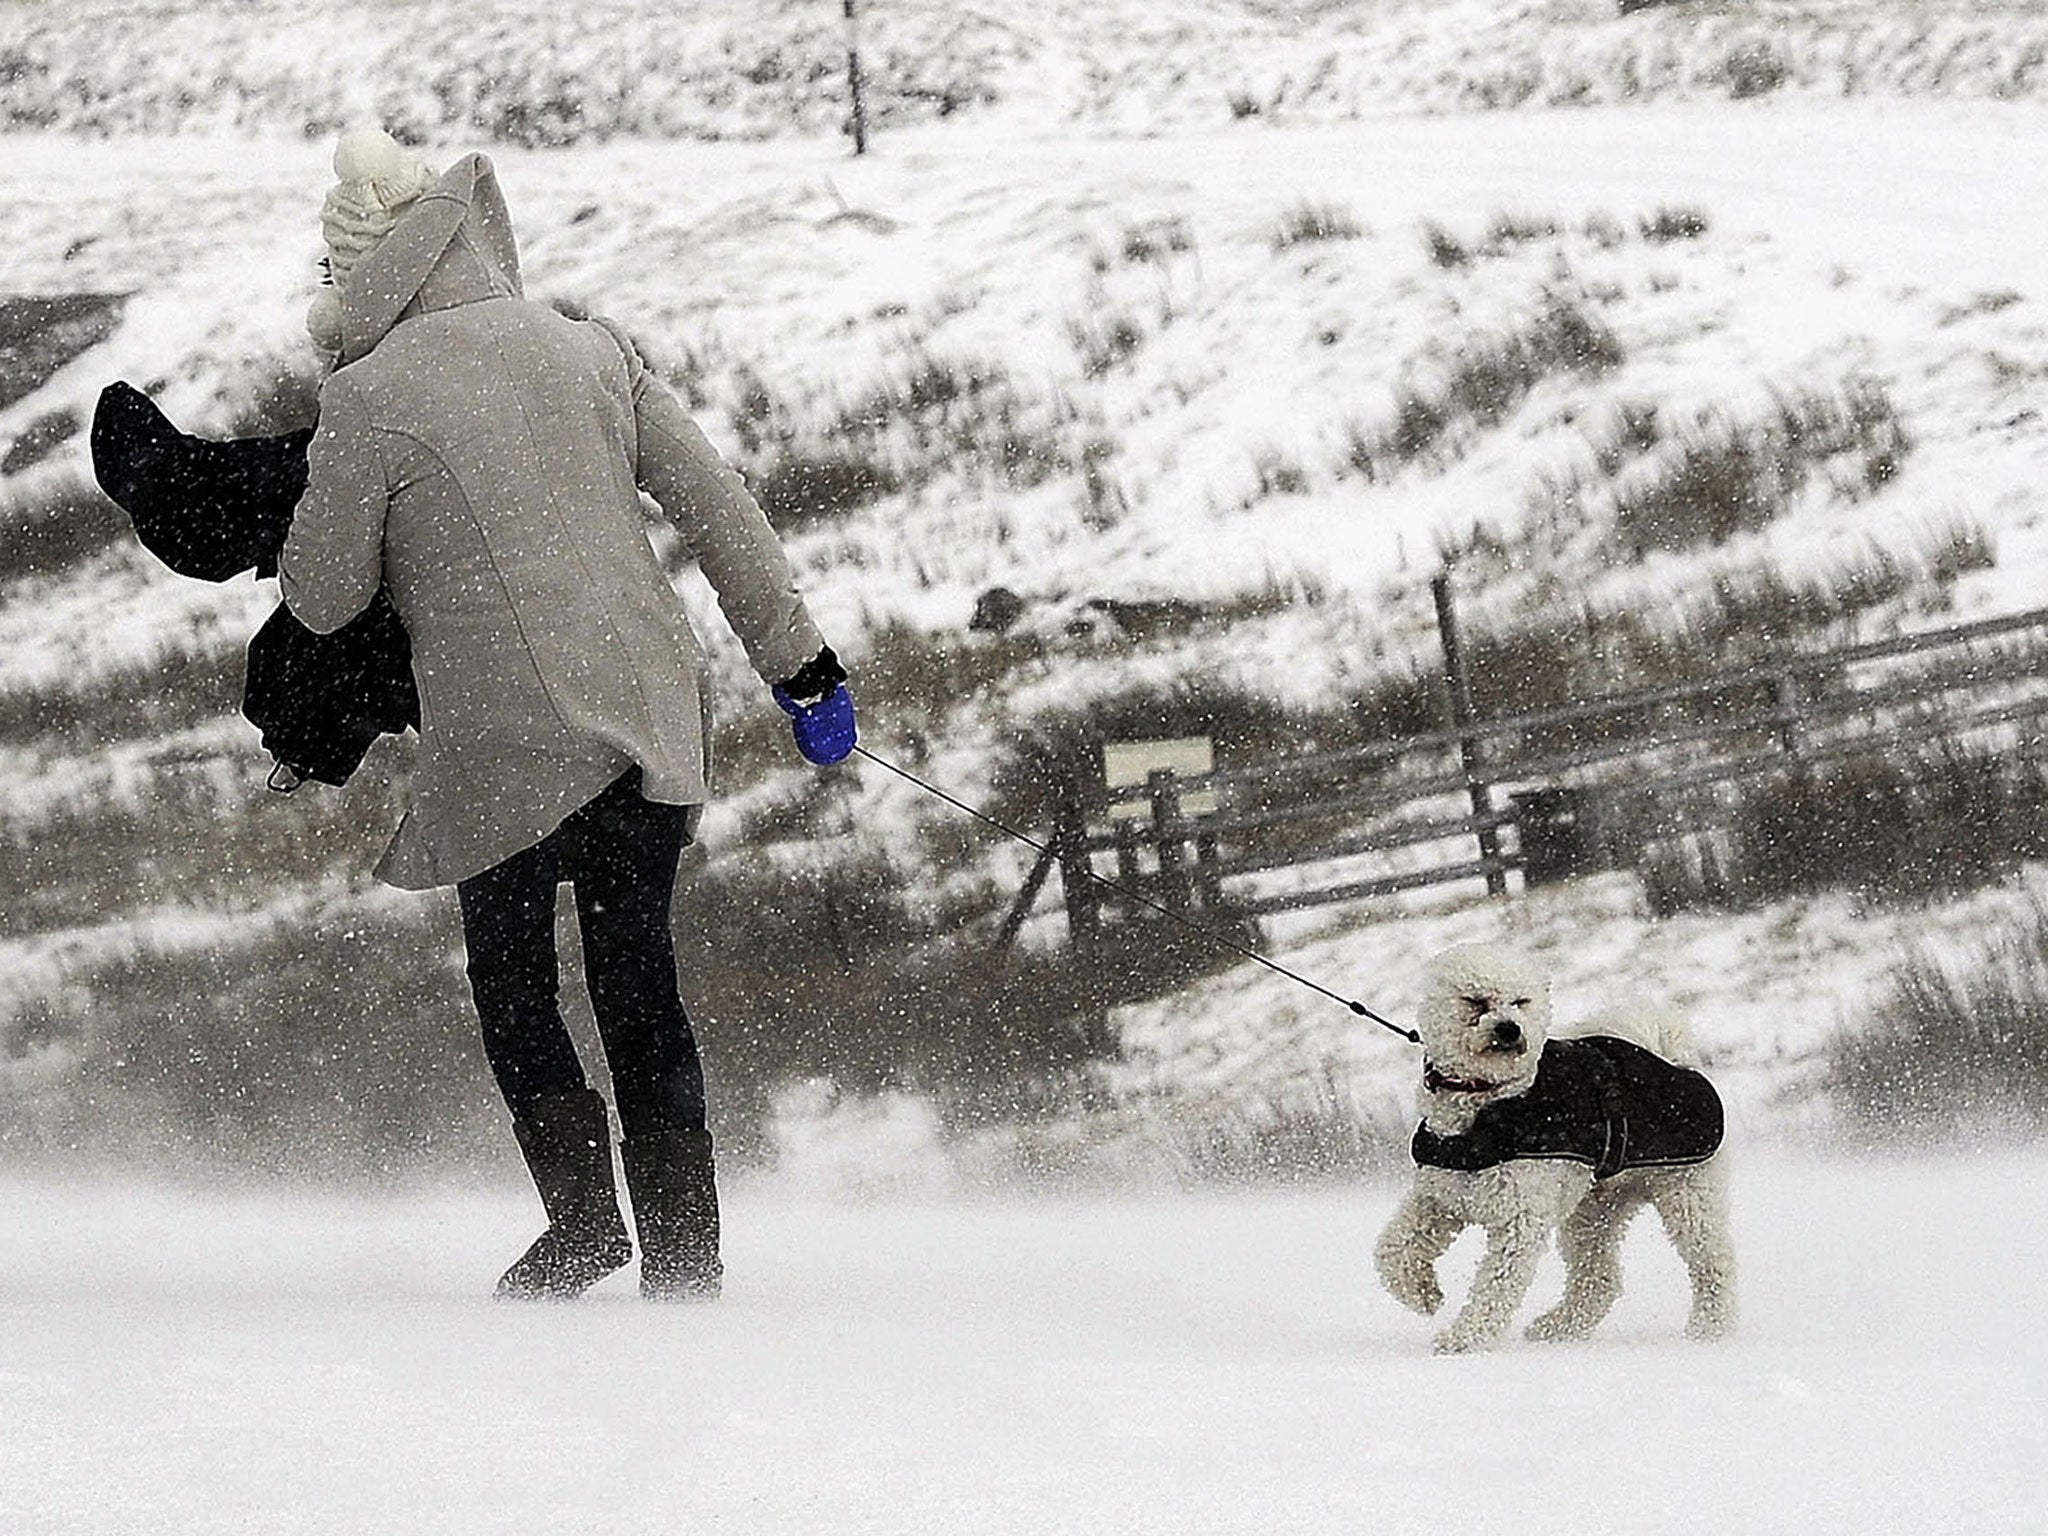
(619, 852)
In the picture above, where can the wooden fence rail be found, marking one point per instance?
(1615, 705)
(1401, 796)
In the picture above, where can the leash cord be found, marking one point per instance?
(1201, 929)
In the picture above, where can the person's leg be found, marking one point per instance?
(508, 928)
(620, 852)
(621, 855)
(564, 1132)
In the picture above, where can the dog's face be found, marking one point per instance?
(1485, 1015)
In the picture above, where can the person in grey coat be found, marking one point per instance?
(481, 458)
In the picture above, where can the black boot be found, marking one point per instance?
(566, 1139)
(675, 1208)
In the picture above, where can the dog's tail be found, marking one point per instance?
(1654, 1030)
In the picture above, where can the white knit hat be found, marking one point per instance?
(378, 181)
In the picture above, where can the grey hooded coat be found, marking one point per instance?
(482, 456)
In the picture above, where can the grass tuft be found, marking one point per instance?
(1104, 340)
(1952, 1044)
(1451, 396)
(1730, 476)
(1308, 223)
(1669, 224)
(1445, 249)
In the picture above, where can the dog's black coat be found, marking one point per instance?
(215, 509)
(1597, 1100)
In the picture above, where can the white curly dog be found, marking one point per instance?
(1525, 1132)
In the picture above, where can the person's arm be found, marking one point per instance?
(333, 558)
(724, 528)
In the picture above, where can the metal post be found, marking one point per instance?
(1468, 743)
(1168, 837)
(853, 81)
(1084, 908)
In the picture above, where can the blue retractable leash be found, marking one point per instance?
(825, 734)
(824, 731)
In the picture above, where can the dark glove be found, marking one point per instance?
(824, 731)
(816, 678)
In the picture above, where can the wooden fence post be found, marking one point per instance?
(1070, 833)
(1790, 698)
(1480, 792)
(1206, 883)
(1127, 873)
(1020, 909)
(1169, 837)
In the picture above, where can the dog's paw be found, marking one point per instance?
(1416, 1290)
(1709, 1327)
(1555, 1326)
(1458, 1341)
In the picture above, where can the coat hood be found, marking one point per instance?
(453, 246)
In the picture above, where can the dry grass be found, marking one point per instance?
(1669, 223)
(152, 697)
(40, 334)
(1104, 339)
(1449, 397)
(1726, 475)
(1952, 1045)
(923, 418)
(1905, 828)
(206, 833)
(1313, 223)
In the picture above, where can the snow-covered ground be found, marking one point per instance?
(1899, 240)
(183, 1363)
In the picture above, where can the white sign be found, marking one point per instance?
(1133, 762)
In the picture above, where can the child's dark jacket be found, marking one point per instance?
(213, 510)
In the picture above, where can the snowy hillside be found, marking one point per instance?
(1261, 370)
(530, 73)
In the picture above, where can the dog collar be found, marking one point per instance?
(1435, 1081)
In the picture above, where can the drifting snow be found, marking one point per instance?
(188, 1364)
